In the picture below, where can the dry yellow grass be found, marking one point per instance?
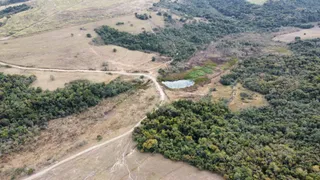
(48, 15)
(69, 48)
(238, 103)
(303, 34)
(53, 80)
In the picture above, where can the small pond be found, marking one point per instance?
(180, 84)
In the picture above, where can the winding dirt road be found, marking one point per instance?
(158, 87)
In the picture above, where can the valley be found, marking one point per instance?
(85, 90)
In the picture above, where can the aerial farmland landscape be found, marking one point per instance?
(159, 89)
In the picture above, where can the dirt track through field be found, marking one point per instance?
(159, 89)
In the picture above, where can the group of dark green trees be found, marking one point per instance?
(223, 17)
(13, 10)
(8, 2)
(24, 109)
(279, 141)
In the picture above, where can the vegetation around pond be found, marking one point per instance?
(24, 110)
(279, 141)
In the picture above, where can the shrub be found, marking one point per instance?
(99, 138)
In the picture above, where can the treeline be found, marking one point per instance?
(223, 17)
(307, 47)
(23, 109)
(13, 10)
(272, 14)
(8, 2)
(179, 43)
(280, 141)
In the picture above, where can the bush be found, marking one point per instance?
(89, 35)
(30, 171)
(99, 138)
(120, 23)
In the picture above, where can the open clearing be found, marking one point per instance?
(55, 39)
(303, 34)
(119, 161)
(71, 134)
(48, 15)
(238, 103)
(60, 49)
(259, 2)
(54, 80)
(115, 160)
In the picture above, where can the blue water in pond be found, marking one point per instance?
(180, 84)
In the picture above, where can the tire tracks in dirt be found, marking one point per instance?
(153, 79)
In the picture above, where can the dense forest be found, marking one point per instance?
(280, 141)
(179, 43)
(270, 15)
(24, 109)
(13, 10)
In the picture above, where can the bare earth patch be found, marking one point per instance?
(303, 34)
(125, 163)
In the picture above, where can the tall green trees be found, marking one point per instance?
(23, 109)
(280, 141)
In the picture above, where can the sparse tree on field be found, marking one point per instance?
(52, 78)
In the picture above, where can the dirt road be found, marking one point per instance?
(154, 80)
(117, 158)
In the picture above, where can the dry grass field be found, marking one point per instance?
(239, 103)
(69, 48)
(128, 163)
(53, 80)
(303, 34)
(48, 15)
